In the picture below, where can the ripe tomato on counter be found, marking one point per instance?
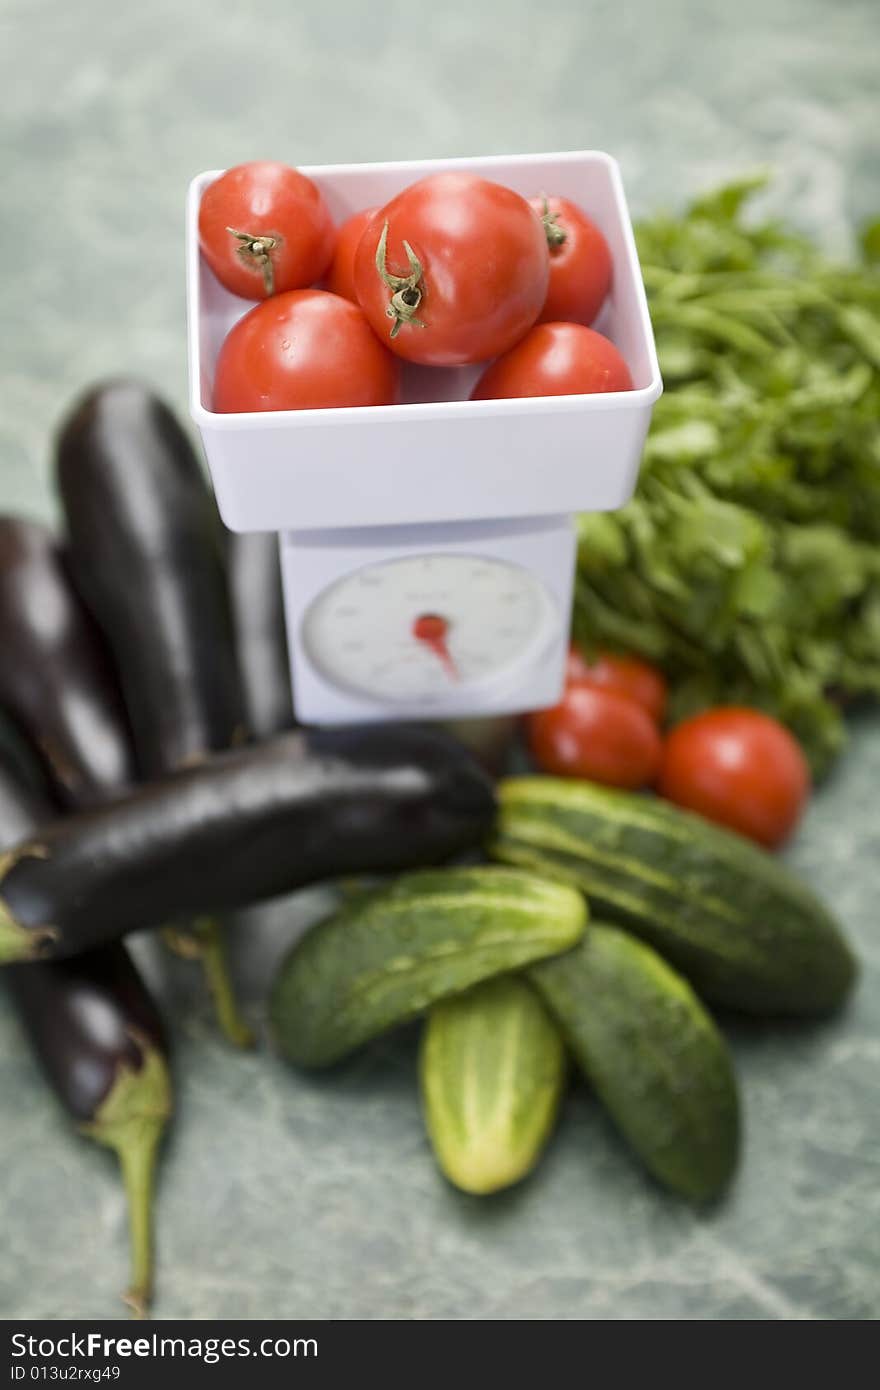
(624, 675)
(597, 734)
(340, 276)
(453, 270)
(740, 768)
(555, 359)
(264, 228)
(580, 262)
(305, 350)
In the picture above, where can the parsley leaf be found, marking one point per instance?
(747, 565)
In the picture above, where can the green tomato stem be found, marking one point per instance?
(255, 251)
(407, 291)
(555, 234)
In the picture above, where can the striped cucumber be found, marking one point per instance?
(492, 1069)
(730, 917)
(387, 956)
(653, 1055)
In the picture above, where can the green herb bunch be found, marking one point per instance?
(748, 565)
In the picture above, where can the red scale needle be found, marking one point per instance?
(432, 630)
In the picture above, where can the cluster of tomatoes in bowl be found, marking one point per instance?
(455, 270)
(733, 765)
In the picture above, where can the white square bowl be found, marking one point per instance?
(437, 456)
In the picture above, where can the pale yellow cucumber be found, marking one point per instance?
(492, 1070)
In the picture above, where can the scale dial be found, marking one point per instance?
(427, 627)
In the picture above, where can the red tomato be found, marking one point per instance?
(461, 273)
(555, 359)
(580, 262)
(340, 277)
(263, 229)
(625, 675)
(596, 734)
(740, 768)
(304, 350)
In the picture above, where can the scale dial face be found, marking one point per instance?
(427, 627)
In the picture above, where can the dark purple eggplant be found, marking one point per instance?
(23, 806)
(490, 740)
(244, 826)
(99, 1038)
(254, 571)
(145, 550)
(56, 681)
(59, 686)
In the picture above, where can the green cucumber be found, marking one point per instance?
(387, 956)
(730, 917)
(492, 1069)
(653, 1055)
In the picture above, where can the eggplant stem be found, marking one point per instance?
(137, 1159)
(181, 941)
(215, 963)
(203, 942)
(131, 1120)
(18, 942)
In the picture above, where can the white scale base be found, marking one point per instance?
(352, 597)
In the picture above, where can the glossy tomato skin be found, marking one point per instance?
(580, 263)
(740, 768)
(273, 200)
(340, 276)
(596, 734)
(625, 675)
(555, 359)
(484, 264)
(304, 350)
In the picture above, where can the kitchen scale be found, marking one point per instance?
(428, 548)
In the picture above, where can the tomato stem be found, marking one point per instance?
(556, 235)
(255, 250)
(406, 290)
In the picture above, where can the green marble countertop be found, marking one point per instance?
(288, 1196)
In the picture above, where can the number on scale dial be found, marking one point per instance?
(428, 626)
